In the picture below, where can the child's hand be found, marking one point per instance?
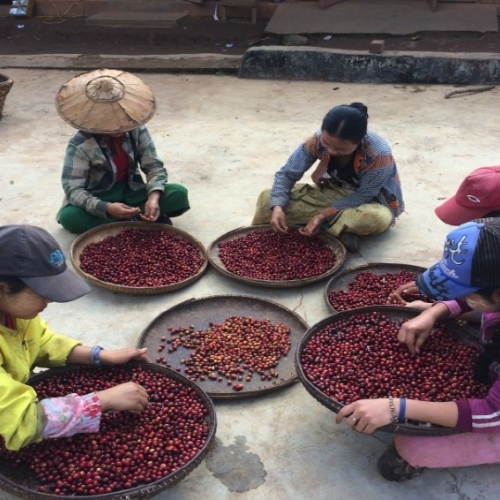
(419, 304)
(396, 297)
(366, 415)
(120, 356)
(124, 397)
(415, 331)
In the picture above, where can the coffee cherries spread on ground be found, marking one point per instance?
(142, 258)
(266, 255)
(361, 358)
(369, 289)
(131, 449)
(234, 351)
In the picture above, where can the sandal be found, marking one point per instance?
(350, 241)
(392, 467)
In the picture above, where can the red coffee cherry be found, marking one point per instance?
(142, 258)
(360, 357)
(131, 449)
(266, 255)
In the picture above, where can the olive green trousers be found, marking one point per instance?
(306, 201)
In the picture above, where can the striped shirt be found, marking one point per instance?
(480, 415)
(373, 163)
(89, 169)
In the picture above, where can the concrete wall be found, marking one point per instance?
(311, 63)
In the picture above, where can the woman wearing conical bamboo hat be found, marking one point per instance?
(105, 158)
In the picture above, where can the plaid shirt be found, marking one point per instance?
(89, 169)
(373, 164)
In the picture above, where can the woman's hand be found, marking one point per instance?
(313, 226)
(120, 356)
(278, 220)
(152, 207)
(396, 297)
(121, 211)
(366, 415)
(414, 332)
(124, 397)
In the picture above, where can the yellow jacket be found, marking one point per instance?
(30, 344)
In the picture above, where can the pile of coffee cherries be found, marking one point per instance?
(130, 449)
(142, 258)
(369, 289)
(361, 358)
(266, 255)
(234, 350)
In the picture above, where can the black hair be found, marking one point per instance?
(14, 283)
(494, 213)
(490, 354)
(347, 121)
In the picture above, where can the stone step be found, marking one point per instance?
(135, 19)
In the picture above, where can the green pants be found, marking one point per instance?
(173, 202)
(306, 201)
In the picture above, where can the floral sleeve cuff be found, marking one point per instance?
(71, 415)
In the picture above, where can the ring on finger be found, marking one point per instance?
(355, 420)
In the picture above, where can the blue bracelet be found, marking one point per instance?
(94, 355)
(402, 410)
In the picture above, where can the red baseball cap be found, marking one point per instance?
(478, 195)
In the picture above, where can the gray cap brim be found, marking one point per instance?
(63, 287)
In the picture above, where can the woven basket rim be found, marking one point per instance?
(353, 271)
(142, 492)
(336, 406)
(187, 305)
(116, 227)
(212, 253)
(5, 79)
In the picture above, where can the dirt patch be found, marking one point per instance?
(204, 35)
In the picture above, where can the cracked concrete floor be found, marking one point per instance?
(224, 138)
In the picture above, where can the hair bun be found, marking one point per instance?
(360, 107)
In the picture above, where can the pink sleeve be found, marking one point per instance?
(71, 415)
(480, 415)
(455, 307)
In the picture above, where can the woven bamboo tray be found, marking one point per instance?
(334, 244)
(342, 280)
(101, 232)
(394, 313)
(21, 481)
(216, 308)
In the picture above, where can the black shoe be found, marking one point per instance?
(350, 241)
(163, 219)
(394, 468)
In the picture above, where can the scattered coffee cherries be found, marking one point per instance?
(142, 258)
(130, 449)
(266, 255)
(361, 358)
(369, 289)
(233, 351)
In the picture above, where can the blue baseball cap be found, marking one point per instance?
(31, 254)
(470, 262)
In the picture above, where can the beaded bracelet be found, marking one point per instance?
(94, 355)
(393, 410)
(402, 410)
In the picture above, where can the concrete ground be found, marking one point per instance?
(224, 138)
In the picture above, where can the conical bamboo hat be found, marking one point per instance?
(105, 101)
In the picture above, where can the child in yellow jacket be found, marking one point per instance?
(33, 273)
